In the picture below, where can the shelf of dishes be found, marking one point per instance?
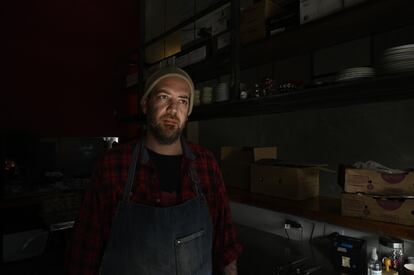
(215, 102)
(351, 91)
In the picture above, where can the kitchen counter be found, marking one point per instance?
(322, 209)
(266, 253)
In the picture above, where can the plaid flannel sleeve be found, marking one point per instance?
(85, 249)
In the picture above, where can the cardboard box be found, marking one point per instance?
(287, 182)
(155, 52)
(378, 208)
(314, 9)
(177, 12)
(236, 161)
(216, 21)
(374, 182)
(172, 44)
(279, 24)
(182, 60)
(163, 48)
(187, 35)
(350, 3)
(253, 20)
(197, 55)
(222, 20)
(223, 40)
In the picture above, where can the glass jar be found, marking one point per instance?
(393, 249)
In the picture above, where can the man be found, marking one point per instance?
(157, 206)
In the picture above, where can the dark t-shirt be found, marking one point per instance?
(168, 171)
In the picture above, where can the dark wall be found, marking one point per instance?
(62, 64)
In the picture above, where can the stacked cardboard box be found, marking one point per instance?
(257, 170)
(296, 182)
(351, 3)
(236, 161)
(253, 19)
(314, 9)
(375, 195)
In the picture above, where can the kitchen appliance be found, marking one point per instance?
(267, 253)
(349, 253)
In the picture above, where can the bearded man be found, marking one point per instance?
(157, 206)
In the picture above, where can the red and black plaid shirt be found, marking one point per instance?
(93, 226)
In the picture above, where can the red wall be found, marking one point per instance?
(62, 64)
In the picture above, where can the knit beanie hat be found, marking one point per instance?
(163, 73)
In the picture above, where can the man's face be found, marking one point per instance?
(167, 109)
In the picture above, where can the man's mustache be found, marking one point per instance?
(170, 117)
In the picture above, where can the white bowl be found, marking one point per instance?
(409, 269)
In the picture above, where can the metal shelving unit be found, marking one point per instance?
(383, 88)
(350, 24)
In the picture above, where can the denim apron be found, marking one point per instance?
(147, 240)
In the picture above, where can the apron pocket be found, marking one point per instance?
(189, 252)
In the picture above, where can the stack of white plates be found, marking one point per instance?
(222, 92)
(355, 73)
(398, 59)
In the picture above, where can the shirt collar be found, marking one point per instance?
(144, 155)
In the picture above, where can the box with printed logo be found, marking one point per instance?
(375, 182)
(379, 208)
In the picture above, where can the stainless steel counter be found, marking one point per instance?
(265, 253)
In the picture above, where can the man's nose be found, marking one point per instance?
(173, 105)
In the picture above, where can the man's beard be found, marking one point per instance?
(163, 134)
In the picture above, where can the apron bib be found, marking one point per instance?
(147, 240)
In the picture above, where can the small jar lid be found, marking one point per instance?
(391, 242)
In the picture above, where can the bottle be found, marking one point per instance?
(374, 265)
(393, 249)
(387, 264)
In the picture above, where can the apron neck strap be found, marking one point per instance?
(196, 181)
(131, 171)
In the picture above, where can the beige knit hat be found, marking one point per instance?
(163, 73)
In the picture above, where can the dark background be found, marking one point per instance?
(63, 64)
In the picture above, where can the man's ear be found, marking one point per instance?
(145, 106)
